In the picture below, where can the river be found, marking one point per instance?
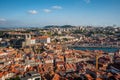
(105, 49)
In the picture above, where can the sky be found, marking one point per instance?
(37, 13)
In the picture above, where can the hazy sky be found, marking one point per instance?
(59, 12)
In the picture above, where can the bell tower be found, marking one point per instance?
(27, 39)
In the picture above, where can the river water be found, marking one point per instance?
(105, 49)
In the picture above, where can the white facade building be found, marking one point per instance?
(33, 40)
(43, 39)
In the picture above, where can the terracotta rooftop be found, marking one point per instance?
(56, 77)
(43, 37)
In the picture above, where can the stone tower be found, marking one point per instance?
(27, 39)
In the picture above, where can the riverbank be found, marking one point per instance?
(105, 49)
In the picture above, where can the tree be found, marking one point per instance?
(65, 39)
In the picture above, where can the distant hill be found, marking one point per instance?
(53, 26)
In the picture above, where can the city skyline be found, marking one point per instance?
(59, 12)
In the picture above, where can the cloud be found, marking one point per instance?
(56, 7)
(47, 10)
(87, 1)
(2, 20)
(32, 11)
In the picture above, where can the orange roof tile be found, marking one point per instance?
(1, 74)
(43, 37)
(33, 38)
(56, 77)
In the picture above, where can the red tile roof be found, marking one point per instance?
(43, 37)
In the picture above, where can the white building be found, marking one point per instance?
(33, 40)
(43, 39)
(0, 39)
